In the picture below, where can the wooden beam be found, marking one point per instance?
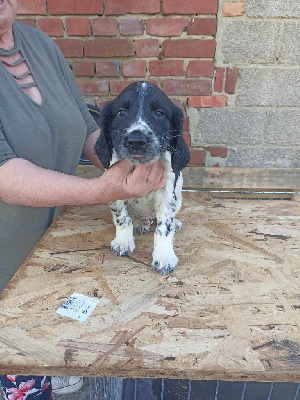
(242, 178)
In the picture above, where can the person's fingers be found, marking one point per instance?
(160, 182)
(125, 165)
(163, 179)
(136, 181)
(142, 171)
(156, 178)
(156, 173)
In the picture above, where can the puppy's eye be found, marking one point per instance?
(121, 113)
(159, 113)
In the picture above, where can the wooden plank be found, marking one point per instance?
(242, 178)
(230, 311)
(283, 179)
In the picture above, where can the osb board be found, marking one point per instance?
(230, 311)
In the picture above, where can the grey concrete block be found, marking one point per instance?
(269, 87)
(290, 49)
(245, 41)
(272, 8)
(264, 158)
(283, 127)
(226, 126)
(213, 161)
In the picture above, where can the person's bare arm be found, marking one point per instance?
(24, 183)
(88, 149)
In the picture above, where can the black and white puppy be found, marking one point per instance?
(142, 125)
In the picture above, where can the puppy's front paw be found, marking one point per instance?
(164, 261)
(123, 248)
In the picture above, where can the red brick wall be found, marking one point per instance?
(111, 43)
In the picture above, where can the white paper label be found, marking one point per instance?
(78, 306)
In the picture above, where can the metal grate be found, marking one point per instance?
(167, 389)
(240, 194)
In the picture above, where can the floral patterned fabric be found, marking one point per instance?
(19, 387)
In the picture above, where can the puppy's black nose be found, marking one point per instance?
(136, 139)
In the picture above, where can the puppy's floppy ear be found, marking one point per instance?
(103, 146)
(180, 154)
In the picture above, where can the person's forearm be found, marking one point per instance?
(24, 183)
(88, 149)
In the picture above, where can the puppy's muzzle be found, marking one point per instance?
(136, 142)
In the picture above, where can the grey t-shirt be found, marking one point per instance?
(50, 135)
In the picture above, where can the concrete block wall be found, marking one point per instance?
(258, 52)
(232, 65)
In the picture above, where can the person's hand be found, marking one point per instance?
(123, 180)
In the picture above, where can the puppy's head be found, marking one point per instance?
(141, 124)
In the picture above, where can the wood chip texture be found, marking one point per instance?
(230, 311)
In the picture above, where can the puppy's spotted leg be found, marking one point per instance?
(164, 257)
(123, 244)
